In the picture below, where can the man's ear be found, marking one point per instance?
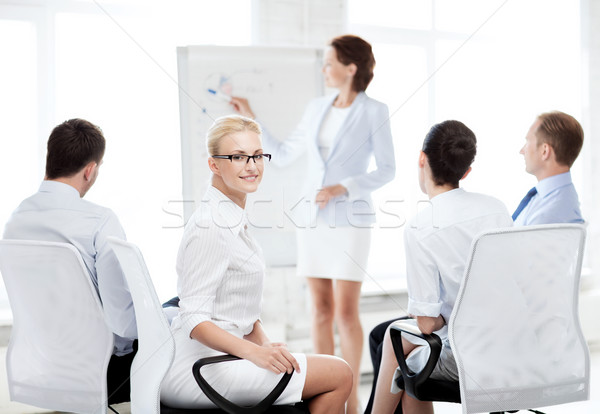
(88, 170)
(546, 151)
(212, 164)
(466, 173)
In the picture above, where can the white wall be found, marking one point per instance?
(298, 22)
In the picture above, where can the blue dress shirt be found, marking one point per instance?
(58, 213)
(556, 201)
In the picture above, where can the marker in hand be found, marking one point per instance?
(239, 104)
(220, 94)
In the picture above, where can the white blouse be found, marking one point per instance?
(438, 242)
(220, 268)
(330, 127)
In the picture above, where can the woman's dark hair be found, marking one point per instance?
(450, 148)
(71, 146)
(353, 49)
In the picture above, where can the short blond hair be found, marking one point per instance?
(227, 125)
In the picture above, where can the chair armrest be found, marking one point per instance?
(224, 403)
(413, 380)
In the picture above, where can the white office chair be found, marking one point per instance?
(515, 330)
(156, 347)
(59, 346)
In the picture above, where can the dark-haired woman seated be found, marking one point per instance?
(437, 244)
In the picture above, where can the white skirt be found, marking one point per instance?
(333, 253)
(241, 381)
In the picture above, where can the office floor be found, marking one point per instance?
(586, 407)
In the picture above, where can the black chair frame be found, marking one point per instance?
(418, 385)
(226, 406)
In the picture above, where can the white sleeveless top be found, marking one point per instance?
(330, 127)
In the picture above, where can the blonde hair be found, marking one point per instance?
(226, 125)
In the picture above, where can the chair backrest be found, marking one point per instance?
(60, 345)
(515, 329)
(156, 347)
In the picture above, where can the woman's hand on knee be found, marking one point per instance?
(275, 357)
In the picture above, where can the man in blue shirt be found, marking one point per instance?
(551, 147)
(58, 212)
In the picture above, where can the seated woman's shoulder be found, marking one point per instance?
(489, 203)
(201, 219)
(483, 198)
(210, 225)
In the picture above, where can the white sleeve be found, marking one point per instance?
(112, 286)
(360, 186)
(205, 262)
(422, 277)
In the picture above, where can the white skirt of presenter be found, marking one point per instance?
(327, 252)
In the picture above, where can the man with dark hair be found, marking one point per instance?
(551, 147)
(57, 212)
(72, 145)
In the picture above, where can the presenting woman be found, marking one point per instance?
(340, 133)
(221, 273)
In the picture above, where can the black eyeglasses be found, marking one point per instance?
(240, 158)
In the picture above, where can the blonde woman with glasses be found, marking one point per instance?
(220, 279)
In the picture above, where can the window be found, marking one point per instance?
(493, 65)
(113, 63)
(19, 158)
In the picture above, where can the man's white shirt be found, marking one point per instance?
(58, 213)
